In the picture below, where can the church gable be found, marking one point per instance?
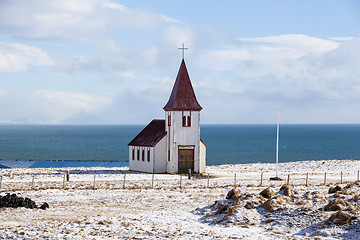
(150, 135)
(182, 97)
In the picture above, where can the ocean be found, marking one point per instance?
(76, 146)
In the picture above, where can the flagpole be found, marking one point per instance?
(277, 143)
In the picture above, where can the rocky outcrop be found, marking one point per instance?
(14, 201)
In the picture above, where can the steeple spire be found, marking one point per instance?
(182, 97)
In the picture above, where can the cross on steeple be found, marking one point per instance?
(183, 48)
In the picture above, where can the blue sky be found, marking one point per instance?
(115, 62)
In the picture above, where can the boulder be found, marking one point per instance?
(44, 206)
(334, 189)
(233, 194)
(250, 205)
(340, 218)
(267, 193)
(285, 190)
(268, 206)
(336, 205)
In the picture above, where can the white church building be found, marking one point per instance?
(172, 145)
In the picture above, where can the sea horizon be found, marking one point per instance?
(53, 145)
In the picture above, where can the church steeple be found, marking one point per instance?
(182, 97)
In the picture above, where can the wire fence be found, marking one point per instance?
(130, 180)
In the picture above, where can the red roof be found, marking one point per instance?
(150, 135)
(182, 96)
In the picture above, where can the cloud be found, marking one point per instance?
(20, 57)
(312, 78)
(75, 20)
(48, 106)
(106, 32)
(294, 61)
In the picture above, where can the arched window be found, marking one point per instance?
(133, 154)
(138, 154)
(184, 121)
(148, 155)
(143, 155)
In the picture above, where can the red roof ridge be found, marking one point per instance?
(150, 135)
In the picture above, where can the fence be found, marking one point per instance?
(128, 180)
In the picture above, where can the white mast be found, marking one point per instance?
(277, 143)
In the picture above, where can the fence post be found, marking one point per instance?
(358, 176)
(307, 179)
(94, 181)
(64, 181)
(235, 180)
(341, 177)
(189, 173)
(32, 182)
(67, 175)
(124, 181)
(325, 179)
(152, 181)
(180, 181)
(1, 178)
(208, 180)
(261, 182)
(288, 179)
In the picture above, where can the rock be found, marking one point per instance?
(233, 194)
(356, 198)
(275, 179)
(221, 208)
(269, 220)
(350, 185)
(336, 205)
(44, 206)
(247, 196)
(345, 192)
(268, 206)
(334, 189)
(267, 193)
(333, 207)
(340, 218)
(14, 201)
(337, 194)
(285, 190)
(249, 205)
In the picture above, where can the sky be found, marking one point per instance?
(115, 62)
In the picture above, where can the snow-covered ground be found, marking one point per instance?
(172, 206)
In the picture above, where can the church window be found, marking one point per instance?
(169, 155)
(133, 154)
(138, 154)
(143, 155)
(148, 155)
(169, 120)
(184, 121)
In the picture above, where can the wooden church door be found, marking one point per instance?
(186, 158)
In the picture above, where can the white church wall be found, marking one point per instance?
(202, 157)
(159, 156)
(140, 162)
(180, 135)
